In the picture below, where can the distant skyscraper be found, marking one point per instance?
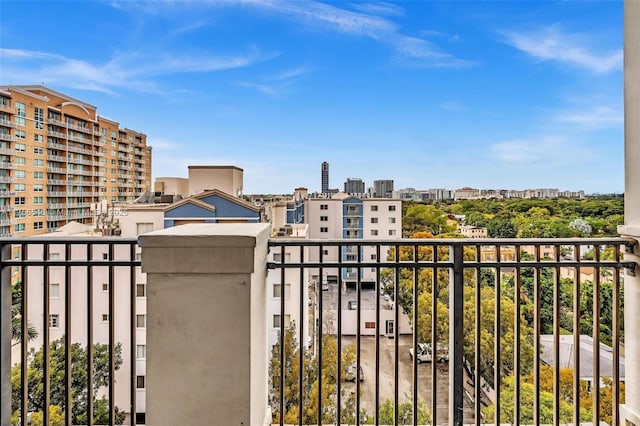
(383, 188)
(354, 186)
(325, 177)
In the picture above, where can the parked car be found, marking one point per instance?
(350, 374)
(424, 353)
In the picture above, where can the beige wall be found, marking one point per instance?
(228, 179)
(172, 186)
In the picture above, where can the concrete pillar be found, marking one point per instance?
(207, 354)
(5, 337)
(630, 413)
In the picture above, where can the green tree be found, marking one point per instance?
(16, 326)
(79, 379)
(405, 413)
(309, 393)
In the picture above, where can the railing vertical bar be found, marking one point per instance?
(434, 336)
(112, 337)
(90, 378)
(516, 338)
(615, 409)
(415, 337)
(282, 338)
(497, 369)
(6, 334)
(556, 341)
(396, 351)
(319, 333)
(358, 334)
(576, 340)
(339, 336)
(478, 334)
(536, 340)
(301, 327)
(456, 327)
(596, 336)
(24, 406)
(133, 287)
(46, 382)
(378, 329)
(67, 340)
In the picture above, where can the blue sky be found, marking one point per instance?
(507, 94)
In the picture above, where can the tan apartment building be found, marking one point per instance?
(58, 156)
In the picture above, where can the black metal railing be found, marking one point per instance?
(64, 352)
(495, 310)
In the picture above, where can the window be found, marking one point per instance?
(38, 200)
(22, 113)
(37, 187)
(141, 290)
(392, 232)
(38, 225)
(19, 201)
(370, 324)
(105, 256)
(38, 150)
(38, 138)
(324, 218)
(105, 287)
(54, 290)
(20, 227)
(276, 320)
(374, 257)
(38, 117)
(140, 382)
(392, 208)
(374, 232)
(21, 161)
(38, 212)
(54, 256)
(325, 252)
(277, 257)
(20, 174)
(38, 175)
(105, 317)
(277, 291)
(374, 220)
(20, 213)
(141, 321)
(392, 220)
(374, 208)
(324, 229)
(141, 351)
(54, 321)
(324, 207)
(38, 162)
(20, 147)
(21, 134)
(144, 227)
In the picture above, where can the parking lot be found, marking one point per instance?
(405, 375)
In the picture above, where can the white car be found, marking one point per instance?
(424, 353)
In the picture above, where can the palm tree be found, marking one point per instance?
(16, 317)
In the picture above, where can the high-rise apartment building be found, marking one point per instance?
(58, 156)
(325, 177)
(383, 188)
(354, 186)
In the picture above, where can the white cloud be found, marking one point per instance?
(551, 44)
(595, 118)
(127, 70)
(262, 88)
(379, 8)
(452, 106)
(546, 151)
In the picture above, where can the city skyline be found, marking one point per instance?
(429, 94)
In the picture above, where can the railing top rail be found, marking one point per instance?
(95, 240)
(276, 242)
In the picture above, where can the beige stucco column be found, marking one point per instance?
(207, 355)
(631, 411)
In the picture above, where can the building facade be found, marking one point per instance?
(58, 156)
(383, 188)
(354, 186)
